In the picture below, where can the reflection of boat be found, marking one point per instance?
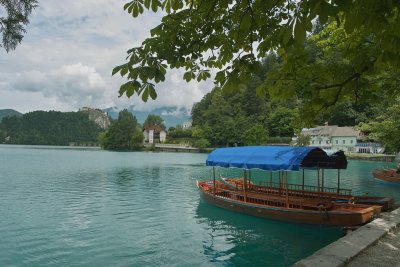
(387, 175)
(280, 203)
(308, 191)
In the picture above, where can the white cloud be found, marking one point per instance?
(68, 53)
(76, 85)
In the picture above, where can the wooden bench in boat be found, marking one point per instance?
(274, 200)
(275, 188)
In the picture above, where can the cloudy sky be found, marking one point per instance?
(68, 53)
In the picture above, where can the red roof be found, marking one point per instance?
(155, 128)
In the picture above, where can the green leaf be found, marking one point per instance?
(145, 94)
(187, 76)
(246, 22)
(130, 90)
(154, 5)
(299, 32)
(175, 4)
(116, 69)
(286, 34)
(152, 92)
(124, 71)
(135, 11)
(147, 3)
(220, 77)
(167, 6)
(127, 5)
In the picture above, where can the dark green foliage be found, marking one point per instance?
(234, 37)
(303, 140)
(225, 118)
(154, 120)
(124, 133)
(49, 128)
(280, 121)
(179, 132)
(8, 112)
(255, 135)
(385, 128)
(201, 143)
(12, 26)
(137, 138)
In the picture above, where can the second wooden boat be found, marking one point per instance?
(387, 175)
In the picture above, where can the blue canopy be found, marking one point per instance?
(274, 158)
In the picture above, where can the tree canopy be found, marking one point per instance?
(12, 25)
(154, 120)
(234, 36)
(385, 128)
(124, 134)
(228, 119)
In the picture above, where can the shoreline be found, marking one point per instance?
(345, 250)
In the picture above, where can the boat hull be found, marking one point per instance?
(386, 203)
(387, 175)
(329, 218)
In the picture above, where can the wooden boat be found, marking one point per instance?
(307, 191)
(387, 175)
(281, 203)
(296, 210)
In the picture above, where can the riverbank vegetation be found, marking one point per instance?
(124, 134)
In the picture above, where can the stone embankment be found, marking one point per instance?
(374, 244)
(386, 158)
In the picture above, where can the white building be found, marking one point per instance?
(369, 147)
(154, 134)
(333, 137)
(187, 124)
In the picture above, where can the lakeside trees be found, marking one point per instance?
(386, 128)
(229, 119)
(125, 133)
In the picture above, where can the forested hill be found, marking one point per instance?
(48, 128)
(8, 113)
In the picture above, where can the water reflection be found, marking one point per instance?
(235, 239)
(124, 176)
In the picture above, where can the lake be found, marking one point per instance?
(62, 206)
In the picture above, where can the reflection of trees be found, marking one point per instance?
(237, 239)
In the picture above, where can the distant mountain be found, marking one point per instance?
(8, 112)
(172, 116)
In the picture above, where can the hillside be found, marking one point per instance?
(8, 113)
(172, 116)
(49, 128)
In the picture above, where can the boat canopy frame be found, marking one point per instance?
(276, 158)
(279, 159)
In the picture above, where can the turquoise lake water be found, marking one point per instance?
(88, 207)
